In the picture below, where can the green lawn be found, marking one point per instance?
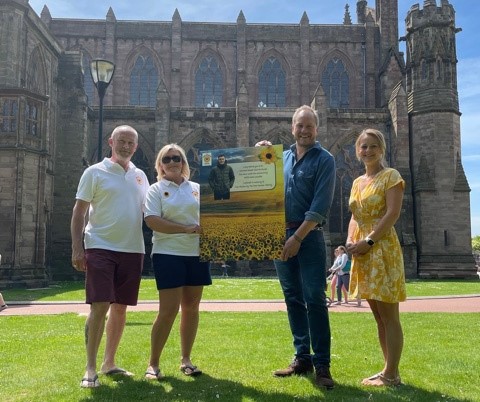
(42, 359)
(233, 289)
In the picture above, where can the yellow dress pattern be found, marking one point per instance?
(379, 274)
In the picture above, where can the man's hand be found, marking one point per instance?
(78, 260)
(290, 249)
(194, 229)
(263, 143)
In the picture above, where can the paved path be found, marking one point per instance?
(451, 304)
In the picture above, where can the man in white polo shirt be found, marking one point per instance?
(110, 248)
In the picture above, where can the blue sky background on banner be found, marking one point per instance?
(319, 12)
(232, 155)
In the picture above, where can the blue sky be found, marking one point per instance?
(319, 12)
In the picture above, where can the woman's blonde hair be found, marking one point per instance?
(163, 152)
(379, 137)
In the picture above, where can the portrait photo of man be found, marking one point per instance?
(221, 179)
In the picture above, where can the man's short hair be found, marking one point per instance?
(307, 109)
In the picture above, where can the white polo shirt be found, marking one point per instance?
(116, 198)
(176, 203)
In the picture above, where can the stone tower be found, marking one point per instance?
(440, 189)
(386, 16)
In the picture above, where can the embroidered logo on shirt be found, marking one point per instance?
(139, 180)
(195, 194)
(166, 194)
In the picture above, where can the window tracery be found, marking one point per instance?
(271, 84)
(144, 82)
(335, 83)
(9, 117)
(208, 84)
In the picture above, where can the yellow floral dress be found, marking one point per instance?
(379, 274)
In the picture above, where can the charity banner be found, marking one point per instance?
(242, 209)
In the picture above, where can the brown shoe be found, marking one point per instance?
(323, 378)
(298, 367)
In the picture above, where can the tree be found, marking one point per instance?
(476, 244)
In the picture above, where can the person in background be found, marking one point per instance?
(225, 269)
(378, 273)
(338, 280)
(221, 179)
(3, 305)
(309, 179)
(333, 272)
(110, 248)
(172, 211)
(343, 275)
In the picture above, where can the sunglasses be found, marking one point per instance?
(167, 159)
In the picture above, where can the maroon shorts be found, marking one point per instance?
(113, 276)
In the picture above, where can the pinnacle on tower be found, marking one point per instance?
(347, 20)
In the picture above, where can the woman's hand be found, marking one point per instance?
(359, 248)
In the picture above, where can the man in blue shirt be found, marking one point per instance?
(309, 175)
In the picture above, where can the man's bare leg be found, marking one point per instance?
(114, 330)
(94, 327)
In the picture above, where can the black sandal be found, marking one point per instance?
(190, 370)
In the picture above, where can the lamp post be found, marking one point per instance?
(102, 74)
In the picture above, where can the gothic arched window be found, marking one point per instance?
(208, 84)
(439, 72)
(88, 84)
(271, 84)
(9, 115)
(36, 73)
(143, 82)
(424, 73)
(335, 83)
(31, 118)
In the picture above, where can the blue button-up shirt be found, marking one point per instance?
(309, 184)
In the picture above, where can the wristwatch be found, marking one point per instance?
(369, 241)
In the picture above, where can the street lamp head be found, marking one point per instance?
(102, 74)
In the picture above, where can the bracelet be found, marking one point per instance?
(295, 236)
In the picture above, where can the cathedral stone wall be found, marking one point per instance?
(413, 102)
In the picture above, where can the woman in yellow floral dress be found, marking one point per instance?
(377, 273)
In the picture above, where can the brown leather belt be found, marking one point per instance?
(294, 225)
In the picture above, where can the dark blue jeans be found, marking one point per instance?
(303, 281)
(342, 280)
